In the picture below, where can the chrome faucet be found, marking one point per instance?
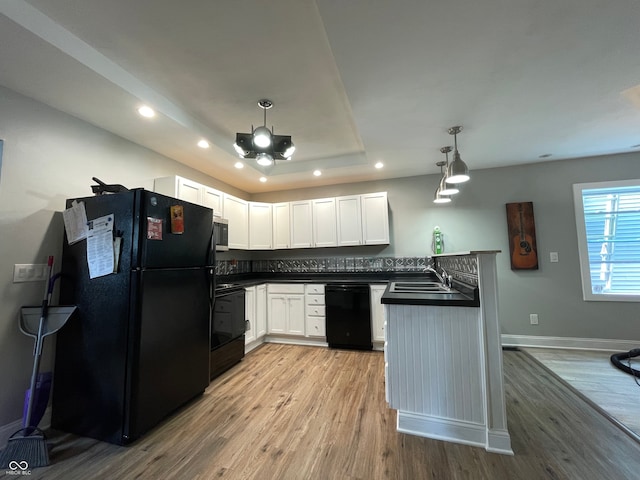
(443, 278)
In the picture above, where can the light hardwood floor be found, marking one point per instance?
(591, 373)
(294, 412)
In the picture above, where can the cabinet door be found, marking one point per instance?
(295, 324)
(250, 313)
(349, 220)
(237, 212)
(213, 199)
(261, 311)
(324, 222)
(260, 226)
(179, 187)
(281, 229)
(189, 191)
(301, 226)
(377, 313)
(375, 218)
(277, 313)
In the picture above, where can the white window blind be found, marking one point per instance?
(608, 220)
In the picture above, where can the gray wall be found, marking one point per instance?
(49, 156)
(476, 220)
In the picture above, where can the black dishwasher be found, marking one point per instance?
(348, 311)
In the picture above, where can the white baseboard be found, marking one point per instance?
(455, 431)
(569, 343)
(294, 340)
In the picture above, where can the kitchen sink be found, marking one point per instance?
(419, 287)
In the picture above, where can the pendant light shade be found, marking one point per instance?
(437, 198)
(446, 188)
(262, 137)
(457, 172)
(440, 196)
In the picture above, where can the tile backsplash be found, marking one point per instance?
(326, 264)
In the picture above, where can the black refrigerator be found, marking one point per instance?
(138, 347)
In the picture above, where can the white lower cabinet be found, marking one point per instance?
(377, 312)
(315, 310)
(250, 314)
(261, 310)
(285, 309)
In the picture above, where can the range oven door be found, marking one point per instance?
(228, 319)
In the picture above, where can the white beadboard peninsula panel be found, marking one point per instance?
(437, 352)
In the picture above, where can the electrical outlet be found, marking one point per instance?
(30, 272)
(533, 318)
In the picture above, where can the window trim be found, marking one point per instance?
(581, 230)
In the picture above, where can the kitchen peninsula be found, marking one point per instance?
(443, 358)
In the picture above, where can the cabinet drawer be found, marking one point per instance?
(285, 288)
(315, 299)
(314, 289)
(316, 311)
(315, 327)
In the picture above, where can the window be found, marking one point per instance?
(608, 223)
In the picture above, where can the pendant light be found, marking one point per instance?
(262, 144)
(439, 197)
(446, 188)
(457, 172)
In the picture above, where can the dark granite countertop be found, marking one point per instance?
(460, 296)
(463, 296)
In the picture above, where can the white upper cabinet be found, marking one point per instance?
(349, 221)
(179, 187)
(190, 191)
(260, 226)
(301, 225)
(324, 222)
(375, 218)
(281, 228)
(213, 199)
(236, 211)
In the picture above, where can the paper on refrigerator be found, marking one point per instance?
(100, 246)
(75, 222)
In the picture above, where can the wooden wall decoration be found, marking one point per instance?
(522, 236)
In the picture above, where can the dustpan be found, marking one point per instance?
(57, 316)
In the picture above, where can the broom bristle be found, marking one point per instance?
(25, 452)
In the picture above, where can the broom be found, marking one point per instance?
(27, 448)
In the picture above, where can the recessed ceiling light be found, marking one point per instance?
(203, 143)
(263, 179)
(239, 165)
(317, 173)
(379, 165)
(147, 112)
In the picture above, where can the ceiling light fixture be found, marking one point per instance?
(379, 165)
(446, 189)
(203, 143)
(457, 172)
(317, 173)
(439, 197)
(263, 179)
(147, 112)
(239, 165)
(262, 144)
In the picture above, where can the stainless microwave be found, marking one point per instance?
(221, 233)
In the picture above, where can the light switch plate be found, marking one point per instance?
(553, 257)
(30, 272)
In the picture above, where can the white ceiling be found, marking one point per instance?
(353, 82)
